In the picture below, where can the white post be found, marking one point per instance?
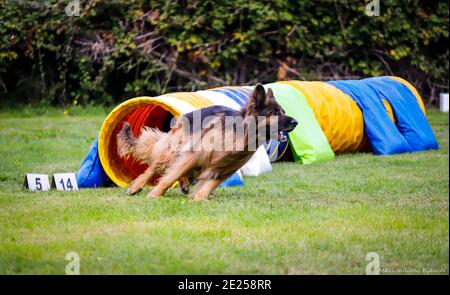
(443, 102)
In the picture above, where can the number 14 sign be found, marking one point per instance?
(64, 181)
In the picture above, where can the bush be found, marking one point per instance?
(116, 50)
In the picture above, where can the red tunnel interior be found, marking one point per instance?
(148, 115)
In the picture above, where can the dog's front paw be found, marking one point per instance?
(200, 197)
(133, 189)
(153, 195)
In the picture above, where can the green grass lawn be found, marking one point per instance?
(317, 219)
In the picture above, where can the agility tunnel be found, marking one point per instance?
(384, 115)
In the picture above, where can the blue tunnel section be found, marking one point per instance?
(410, 133)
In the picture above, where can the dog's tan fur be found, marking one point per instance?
(152, 148)
(208, 168)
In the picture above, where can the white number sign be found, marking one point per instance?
(36, 182)
(65, 181)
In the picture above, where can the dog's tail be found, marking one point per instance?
(126, 142)
(139, 148)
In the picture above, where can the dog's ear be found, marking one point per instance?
(259, 97)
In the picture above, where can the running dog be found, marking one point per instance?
(181, 154)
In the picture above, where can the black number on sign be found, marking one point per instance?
(62, 184)
(38, 183)
(69, 184)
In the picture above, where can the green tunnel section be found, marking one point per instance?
(308, 142)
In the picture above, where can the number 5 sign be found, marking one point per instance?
(36, 182)
(64, 181)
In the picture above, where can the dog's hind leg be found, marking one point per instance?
(179, 169)
(139, 183)
(204, 188)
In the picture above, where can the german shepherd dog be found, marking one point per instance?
(179, 156)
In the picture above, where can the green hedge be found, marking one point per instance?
(120, 49)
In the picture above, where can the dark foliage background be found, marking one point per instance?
(116, 50)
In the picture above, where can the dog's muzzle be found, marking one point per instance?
(282, 135)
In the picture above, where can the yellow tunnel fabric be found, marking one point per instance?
(338, 115)
(389, 110)
(413, 90)
(193, 99)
